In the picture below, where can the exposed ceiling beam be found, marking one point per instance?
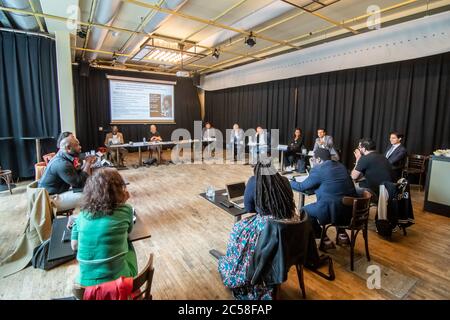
(297, 38)
(144, 21)
(91, 18)
(323, 17)
(272, 25)
(38, 20)
(128, 56)
(215, 19)
(130, 67)
(117, 29)
(209, 22)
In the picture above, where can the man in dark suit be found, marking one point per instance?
(396, 154)
(331, 182)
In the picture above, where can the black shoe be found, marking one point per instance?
(327, 244)
(343, 238)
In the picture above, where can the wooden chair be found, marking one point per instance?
(358, 222)
(143, 279)
(47, 157)
(415, 164)
(6, 175)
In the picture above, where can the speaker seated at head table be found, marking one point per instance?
(117, 154)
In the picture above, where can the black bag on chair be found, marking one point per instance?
(40, 257)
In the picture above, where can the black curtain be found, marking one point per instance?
(29, 105)
(411, 96)
(92, 107)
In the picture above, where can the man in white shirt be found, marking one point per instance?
(260, 144)
(236, 142)
(326, 142)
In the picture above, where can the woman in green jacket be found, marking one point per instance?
(100, 232)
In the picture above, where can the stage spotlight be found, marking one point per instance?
(250, 41)
(216, 54)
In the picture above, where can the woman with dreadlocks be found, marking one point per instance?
(273, 199)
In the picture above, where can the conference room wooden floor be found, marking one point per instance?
(185, 227)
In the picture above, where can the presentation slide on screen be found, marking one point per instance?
(135, 101)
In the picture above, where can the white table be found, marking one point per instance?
(139, 145)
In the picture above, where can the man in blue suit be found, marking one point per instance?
(331, 182)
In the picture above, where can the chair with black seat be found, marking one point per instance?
(282, 244)
(359, 221)
(415, 165)
(142, 280)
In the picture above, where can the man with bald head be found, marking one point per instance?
(61, 175)
(154, 137)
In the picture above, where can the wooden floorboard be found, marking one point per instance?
(185, 227)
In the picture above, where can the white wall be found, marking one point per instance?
(409, 40)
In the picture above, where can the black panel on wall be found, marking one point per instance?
(92, 106)
(411, 96)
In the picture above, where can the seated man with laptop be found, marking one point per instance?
(331, 182)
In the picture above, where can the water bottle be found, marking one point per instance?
(143, 140)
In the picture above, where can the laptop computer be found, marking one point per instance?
(236, 194)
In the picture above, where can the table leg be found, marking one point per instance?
(282, 161)
(159, 154)
(117, 157)
(140, 157)
(301, 200)
(38, 150)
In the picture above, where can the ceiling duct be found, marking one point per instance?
(155, 21)
(105, 13)
(4, 21)
(21, 21)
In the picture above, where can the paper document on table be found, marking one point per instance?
(301, 178)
